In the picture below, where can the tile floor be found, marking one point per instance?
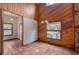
(37, 48)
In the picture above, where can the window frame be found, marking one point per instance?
(8, 29)
(55, 30)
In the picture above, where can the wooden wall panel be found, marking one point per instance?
(19, 8)
(1, 33)
(76, 19)
(58, 12)
(76, 6)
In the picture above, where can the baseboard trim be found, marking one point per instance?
(36, 41)
(12, 39)
(1, 54)
(55, 44)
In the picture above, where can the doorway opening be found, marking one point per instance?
(12, 31)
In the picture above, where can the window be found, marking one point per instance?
(53, 30)
(8, 29)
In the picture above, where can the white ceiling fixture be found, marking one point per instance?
(11, 19)
(48, 4)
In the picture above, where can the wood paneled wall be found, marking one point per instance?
(76, 18)
(27, 10)
(58, 12)
(1, 33)
(76, 6)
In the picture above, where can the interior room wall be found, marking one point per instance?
(1, 33)
(76, 18)
(6, 19)
(22, 9)
(30, 31)
(77, 31)
(76, 9)
(62, 13)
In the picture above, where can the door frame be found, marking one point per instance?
(1, 39)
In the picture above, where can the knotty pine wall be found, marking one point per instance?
(27, 9)
(1, 33)
(76, 18)
(62, 13)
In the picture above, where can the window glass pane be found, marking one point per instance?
(53, 34)
(54, 26)
(7, 26)
(7, 32)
